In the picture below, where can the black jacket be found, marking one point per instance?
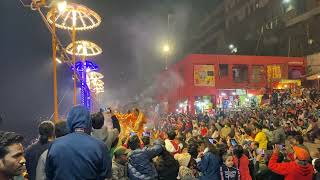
(167, 167)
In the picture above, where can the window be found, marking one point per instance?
(223, 70)
(240, 73)
(257, 73)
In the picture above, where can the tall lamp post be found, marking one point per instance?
(74, 18)
(166, 51)
(83, 49)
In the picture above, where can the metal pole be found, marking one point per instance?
(289, 46)
(54, 57)
(166, 59)
(74, 65)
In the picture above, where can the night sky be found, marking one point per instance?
(131, 35)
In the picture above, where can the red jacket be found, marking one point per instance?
(290, 170)
(243, 168)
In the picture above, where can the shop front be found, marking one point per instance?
(204, 104)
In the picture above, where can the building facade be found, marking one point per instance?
(259, 27)
(203, 82)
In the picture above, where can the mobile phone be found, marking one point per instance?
(212, 141)
(233, 142)
(146, 134)
(282, 146)
(107, 110)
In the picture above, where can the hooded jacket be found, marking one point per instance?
(140, 165)
(290, 170)
(78, 156)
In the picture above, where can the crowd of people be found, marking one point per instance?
(260, 143)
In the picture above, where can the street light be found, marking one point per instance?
(62, 6)
(231, 46)
(166, 50)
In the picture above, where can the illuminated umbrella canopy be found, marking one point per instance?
(95, 75)
(94, 79)
(97, 83)
(84, 48)
(76, 17)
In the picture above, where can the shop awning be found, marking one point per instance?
(313, 77)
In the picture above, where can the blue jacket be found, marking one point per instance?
(78, 156)
(140, 166)
(209, 166)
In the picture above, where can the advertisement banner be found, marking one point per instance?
(204, 75)
(274, 72)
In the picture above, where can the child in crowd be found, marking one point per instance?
(227, 170)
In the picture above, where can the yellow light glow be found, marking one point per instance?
(166, 48)
(74, 16)
(95, 75)
(84, 48)
(58, 61)
(62, 6)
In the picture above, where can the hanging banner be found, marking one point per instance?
(204, 75)
(274, 72)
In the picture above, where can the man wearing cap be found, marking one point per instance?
(119, 164)
(300, 168)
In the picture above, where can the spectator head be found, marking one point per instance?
(248, 131)
(238, 151)
(276, 123)
(193, 150)
(228, 160)
(46, 132)
(79, 120)
(12, 161)
(120, 155)
(134, 142)
(146, 140)
(171, 135)
(61, 129)
(97, 120)
(201, 145)
(298, 140)
(301, 153)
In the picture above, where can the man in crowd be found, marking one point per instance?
(119, 164)
(34, 151)
(78, 155)
(12, 161)
(300, 168)
(170, 143)
(140, 166)
(261, 137)
(60, 130)
(279, 135)
(100, 129)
